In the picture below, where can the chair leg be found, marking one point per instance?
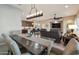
(50, 47)
(10, 52)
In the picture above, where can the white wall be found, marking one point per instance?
(10, 18)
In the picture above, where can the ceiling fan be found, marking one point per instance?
(56, 19)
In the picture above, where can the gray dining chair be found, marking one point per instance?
(3, 47)
(13, 45)
(72, 47)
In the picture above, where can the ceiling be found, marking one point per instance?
(50, 9)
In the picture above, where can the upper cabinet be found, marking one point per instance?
(27, 23)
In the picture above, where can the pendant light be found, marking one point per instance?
(34, 15)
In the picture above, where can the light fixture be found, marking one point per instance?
(34, 15)
(56, 21)
(37, 14)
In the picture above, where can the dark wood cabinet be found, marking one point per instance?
(27, 23)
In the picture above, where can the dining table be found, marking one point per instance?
(36, 44)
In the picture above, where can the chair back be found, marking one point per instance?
(72, 47)
(12, 44)
(3, 47)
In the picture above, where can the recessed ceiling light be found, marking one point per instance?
(66, 6)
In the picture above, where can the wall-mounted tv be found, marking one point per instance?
(56, 25)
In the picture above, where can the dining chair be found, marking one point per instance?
(13, 45)
(72, 47)
(3, 47)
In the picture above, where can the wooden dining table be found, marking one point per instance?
(36, 45)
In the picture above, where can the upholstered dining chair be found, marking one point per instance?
(72, 48)
(13, 45)
(3, 47)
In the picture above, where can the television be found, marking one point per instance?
(56, 25)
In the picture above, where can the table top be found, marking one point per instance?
(39, 40)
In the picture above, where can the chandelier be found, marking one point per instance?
(34, 15)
